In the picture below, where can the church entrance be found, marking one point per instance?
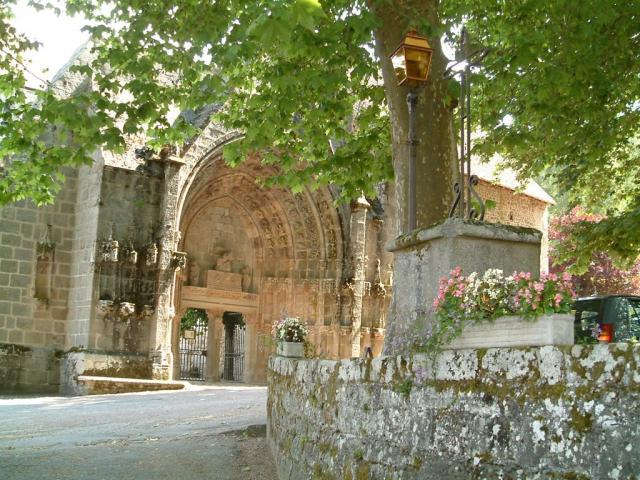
(234, 341)
(194, 333)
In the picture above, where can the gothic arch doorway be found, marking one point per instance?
(254, 252)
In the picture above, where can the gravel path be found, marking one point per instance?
(213, 432)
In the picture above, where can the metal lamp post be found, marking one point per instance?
(411, 62)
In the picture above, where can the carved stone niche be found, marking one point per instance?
(45, 251)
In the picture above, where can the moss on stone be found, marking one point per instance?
(404, 388)
(580, 422)
(319, 474)
(362, 472)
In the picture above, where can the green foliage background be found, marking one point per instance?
(293, 75)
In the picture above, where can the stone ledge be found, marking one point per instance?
(94, 385)
(455, 227)
(614, 364)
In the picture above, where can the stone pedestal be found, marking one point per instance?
(425, 256)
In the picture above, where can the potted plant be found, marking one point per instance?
(290, 333)
(493, 310)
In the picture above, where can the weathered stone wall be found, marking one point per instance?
(28, 369)
(518, 209)
(547, 412)
(35, 272)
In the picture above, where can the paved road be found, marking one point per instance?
(200, 433)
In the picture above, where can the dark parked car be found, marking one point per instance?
(617, 316)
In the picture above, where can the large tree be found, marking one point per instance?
(559, 93)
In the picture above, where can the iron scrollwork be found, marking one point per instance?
(467, 203)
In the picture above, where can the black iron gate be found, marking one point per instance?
(193, 352)
(234, 350)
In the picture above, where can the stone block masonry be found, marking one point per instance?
(35, 272)
(518, 413)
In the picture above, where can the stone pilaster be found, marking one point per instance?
(358, 227)
(212, 372)
(160, 332)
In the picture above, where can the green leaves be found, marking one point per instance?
(296, 77)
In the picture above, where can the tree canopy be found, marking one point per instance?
(558, 94)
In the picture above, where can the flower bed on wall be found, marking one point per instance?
(494, 310)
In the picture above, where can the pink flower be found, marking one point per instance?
(538, 286)
(566, 276)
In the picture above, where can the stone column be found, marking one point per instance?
(250, 350)
(357, 229)
(212, 371)
(160, 331)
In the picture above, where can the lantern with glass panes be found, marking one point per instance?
(412, 59)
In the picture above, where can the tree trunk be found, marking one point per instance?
(435, 152)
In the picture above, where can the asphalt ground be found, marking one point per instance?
(203, 432)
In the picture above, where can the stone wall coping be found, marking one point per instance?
(574, 366)
(456, 227)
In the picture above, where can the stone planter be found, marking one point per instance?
(291, 349)
(556, 329)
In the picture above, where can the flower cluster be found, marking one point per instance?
(289, 329)
(474, 298)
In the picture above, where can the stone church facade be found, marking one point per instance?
(97, 282)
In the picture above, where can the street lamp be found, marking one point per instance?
(411, 62)
(412, 59)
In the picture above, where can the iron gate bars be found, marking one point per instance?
(234, 352)
(193, 352)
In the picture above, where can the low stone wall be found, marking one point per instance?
(518, 413)
(28, 369)
(122, 365)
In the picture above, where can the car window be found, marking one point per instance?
(634, 319)
(587, 314)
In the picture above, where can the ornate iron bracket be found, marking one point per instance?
(467, 203)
